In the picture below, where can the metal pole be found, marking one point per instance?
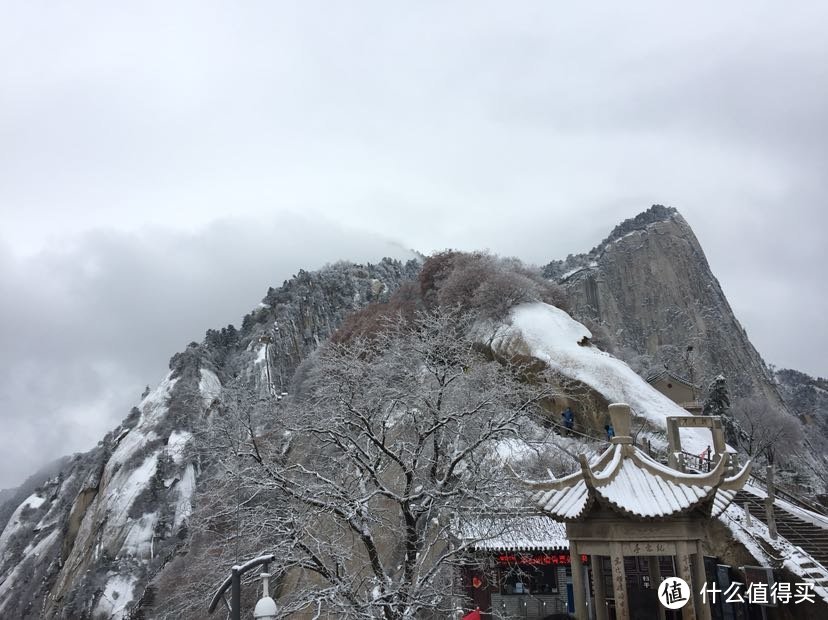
(234, 583)
(235, 595)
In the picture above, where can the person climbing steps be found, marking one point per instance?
(568, 420)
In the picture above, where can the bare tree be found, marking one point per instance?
(366, 482)
(763, 429)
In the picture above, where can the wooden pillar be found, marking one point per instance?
(688, 612)
(619, 582)
(655, 580)
(578, 585)
(598, 588)
(699, 582)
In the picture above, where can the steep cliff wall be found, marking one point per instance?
(650, 286)
(85, 543)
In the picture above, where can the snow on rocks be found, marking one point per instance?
(15, 522)
(551, 335)
(30, 551)
(154, 406)
(184, 504)
(117, 595)
(209, 386)
(176, 444)
(124, 489)
(138, 542)
(153, 409)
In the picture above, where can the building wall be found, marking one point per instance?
(674, 390)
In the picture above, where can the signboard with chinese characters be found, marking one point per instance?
(648, 548)
(692, 421)
(536, 559)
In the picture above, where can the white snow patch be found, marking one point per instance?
(128, 446)
(34, 501)
(138, 542)
(35, 550)
(176, 443)
(116, 596)
(514, 450)
(184, 505)
(629, 234)
(552, 336)
(153, 409)
(121, 493)
(14, 523)
(154, 406)
(571, 273)
(209, 386)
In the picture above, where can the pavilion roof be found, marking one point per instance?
(670, 375)
(626, 480)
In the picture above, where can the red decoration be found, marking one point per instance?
(537, 559)
(476, 582)
(475, 615)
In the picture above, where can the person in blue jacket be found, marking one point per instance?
(610, 431)
(568, 419)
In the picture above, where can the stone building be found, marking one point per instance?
(679, 390)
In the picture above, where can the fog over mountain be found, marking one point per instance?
(163, 165)
(86, 326)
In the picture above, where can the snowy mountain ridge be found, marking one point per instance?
(96, 539)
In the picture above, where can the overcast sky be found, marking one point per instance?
(161, 165)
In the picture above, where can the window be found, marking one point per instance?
(529, 580)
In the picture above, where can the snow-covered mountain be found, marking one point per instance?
(95, 538)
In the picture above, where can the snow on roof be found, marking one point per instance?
(669, 374)
(515, 533)
(552, 336)
(630, 482)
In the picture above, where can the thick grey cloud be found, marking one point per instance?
(530, 130)
(85, 326)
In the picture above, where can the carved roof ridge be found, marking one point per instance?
(559, 484)
(737, 481)
(711, 478)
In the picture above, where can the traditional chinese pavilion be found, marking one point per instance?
(626, 504)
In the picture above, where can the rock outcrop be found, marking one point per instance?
(649, 289)
(87, 541)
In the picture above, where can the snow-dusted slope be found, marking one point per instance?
(552, 336)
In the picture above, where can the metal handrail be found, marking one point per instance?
(790, 496)
(234, 581)
(779, 490)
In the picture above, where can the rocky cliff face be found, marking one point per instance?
(807, 398)
(650, 288)
(86, 542)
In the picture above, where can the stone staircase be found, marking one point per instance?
(812, 538)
